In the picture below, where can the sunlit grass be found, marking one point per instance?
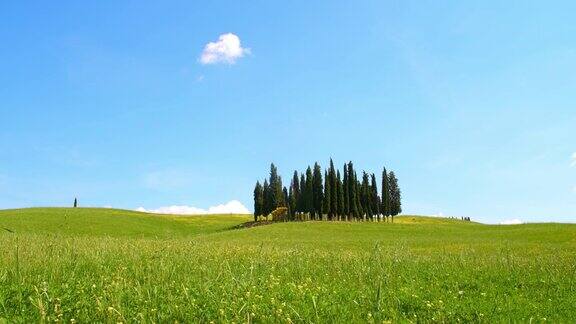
(195, 269)
(113, 222)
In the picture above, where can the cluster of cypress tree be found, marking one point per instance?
(332, 196)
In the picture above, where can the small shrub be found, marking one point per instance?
(280, 214)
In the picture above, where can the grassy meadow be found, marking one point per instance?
(105, 265)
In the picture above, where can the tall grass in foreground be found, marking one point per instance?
(279, 273)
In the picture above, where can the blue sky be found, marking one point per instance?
(473, 104)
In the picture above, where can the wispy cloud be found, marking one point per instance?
(228, 49)
(231, 207)
(514, 221)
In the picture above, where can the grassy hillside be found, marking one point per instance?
(109, 265)
(112, 222)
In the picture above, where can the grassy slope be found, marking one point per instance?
(112, 222)
(114, 265)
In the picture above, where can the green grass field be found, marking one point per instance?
(104, 265)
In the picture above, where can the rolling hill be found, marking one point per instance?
(113, 222)
(113, 265)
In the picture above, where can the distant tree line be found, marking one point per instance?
(329, 195)
(460, 218)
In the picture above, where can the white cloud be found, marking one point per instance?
(231, 207)
(227, 49)
(514, 221)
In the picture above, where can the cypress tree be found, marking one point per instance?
(385, 209)
(282, 202)
(352, 192)
(258, 200)
(275, 188)
(309, 199)
(395, 195)
(333, 191)
(340, 195)
(291, 201)
(346, 210)
(374, 198)
(379, 203)
(75, 202)
(327, 205)
(317, 192)
(359, 207)
(285, 195)
(267, 199)
(294, 194)
(301, 198)
(366, 196)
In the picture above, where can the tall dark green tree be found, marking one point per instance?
(359, 207)
(318, 191)
(276, 195)
(302, 197)
(294, 194)
(374, 197)
(258, 200)
(346, 211)
(340, 195)
(309, 196)
(285, 196)
(267, 199)
(75, 202)
(290, 201)
(395, 195)
(283, 202)
(333, 209)
(352, 192)
(326, 204)
(366, 196)
(385, 200)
